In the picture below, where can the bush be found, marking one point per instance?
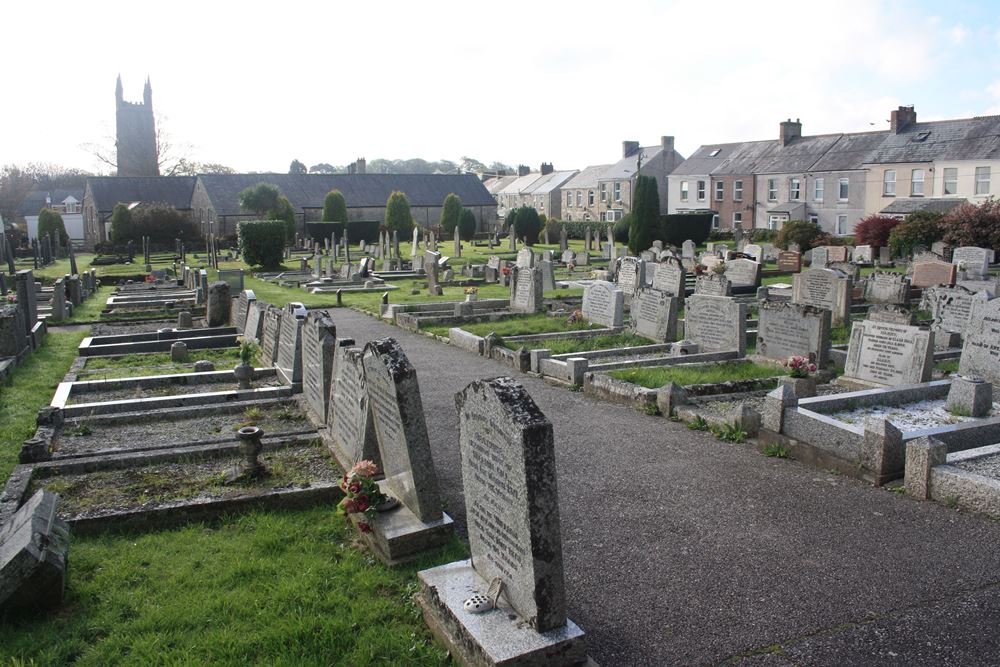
(577, 229)
(803, 232)
(621, 229)
(645, 227)
(677, 228)
(262, 242)
(919, 228)
(50, 222)
(830, 239)
(334, 207)
(357, 230)
(121, 224)
(398, 217)
(972, 225)
(451, 210)
(267, 201)
(162, 224)
(527, 224)
(467, 224)
(554, 228)
(874, 230)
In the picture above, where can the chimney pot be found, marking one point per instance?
(789, 131)
(629, 147)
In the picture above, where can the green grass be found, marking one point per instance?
(947, 366)
(653, 378)
(567, 345)
(90, 309)
(840, 335)
(517, 325)
(133, 365)
(267, 588)
(34, 383)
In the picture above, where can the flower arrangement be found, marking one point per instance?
(720, 268)
(150, 278)
(800, 367)
(248, 350)
(574, 317)
(472, 290)
(11, 298)
(699, 269)
(361, 494)
(505, 270)
(570, 266)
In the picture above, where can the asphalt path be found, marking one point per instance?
(681, 549)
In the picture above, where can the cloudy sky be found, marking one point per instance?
(253, 85)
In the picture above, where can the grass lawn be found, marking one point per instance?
(840, 335)
(157, 363)
(652, 378)
(567, 345)
(947, 366)
(518, 325)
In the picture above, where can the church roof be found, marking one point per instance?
(173, 191)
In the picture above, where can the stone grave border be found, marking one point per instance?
(158, 341)
(931, 474)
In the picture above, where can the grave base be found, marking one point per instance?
(288, 380)
(497, 637)
(398, 536)
(820, 458)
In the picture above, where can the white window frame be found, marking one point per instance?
(814, 218)
(579, 198)
(569, 199)
(794, 189)
(685, 190)
(604, 192)
(841, 229)
(720, 190)
(889, 183)
(949, 186)
(843, 189)
(715, 221)
(982, 186)
(590, 197)
(737, 219)
(772, 190)
(737, 190)
(818, 189)
(700, 191)
(917, 177)
(618, 191)
(773, 221)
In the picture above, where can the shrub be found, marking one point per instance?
(357, 230)
(162, 224)
(267, 201)
(577, 229)
(334, 207)
(510, 220)
(50, 222)
(677, 228)
(554, 228)
(527, 224)
(121, 224)
(398, 217)
(874, 230)
(262, 242)
(972, 225)
(622, 227)
(919, 228)
(467, 224)
(803, 232)
(645, 225)
(451, 210)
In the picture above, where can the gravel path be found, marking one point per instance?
(680, 549)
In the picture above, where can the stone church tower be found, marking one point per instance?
(135, 138)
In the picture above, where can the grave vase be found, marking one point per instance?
(471, 297)
(243, 374)
(803, 387)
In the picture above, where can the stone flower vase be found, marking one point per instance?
(803, 387)
(243, 374)
(251, 447)
(471, 297)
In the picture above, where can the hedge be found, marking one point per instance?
(677, 228)
(357, 230)
(262, 242)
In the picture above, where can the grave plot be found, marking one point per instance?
(969, 479)
(159, 341)
(153, 363)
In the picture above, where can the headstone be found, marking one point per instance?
(755, 251)
(942, 249)
(178, 351)
(928, 273)
(885, 256)
(217, 312)
(563, 238)
(975, 261)
(789, 261)
(525, 258)
(512, 240)
(526, 290)
(824, 288)
(848, 269)
(586, 240)
(630, 276)
(548, 276)
(431, 268)
(349, 417)
(270, 336)
(820, 257)
(397, 410)
(836, 253)
(26, 303)
(951, 307)
(743, 273)
(716, 323)
(712, 284)
(568, 256)
(319, 337)
(75, 290)
(289, 360)
(688, 249)
(458, 243)
(793, 330)
(34, 545)
(889, 354)
(669, 277)
(72, 261)
(863, 255)
(234, 277)
(654, 315)
(254, 328)
(492, 271)
(887, 287)
(512, 504)
(184, 320)
(891, 313)
(14, 340)
(981, 348)
(603, 303)
(58, 300)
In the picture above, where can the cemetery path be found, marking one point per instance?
(682, 549)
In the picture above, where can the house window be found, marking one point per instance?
(590, 197)
(701, 190)
(843, 189)
(818, 189)
(579, 197)
(737, 190)
(774, 221)
(684, 190)
(618, 191)
(795, 189)
(917, 183)
(982, 180)
(950, 181)
(586, 217)
(889, 183)
(715, 221)
(70, 207)
(720, 190)
(814, 218)
(604, 192)
(541, 204)
(737, 219)
(772, 190)
(841, 225)
(569, 199)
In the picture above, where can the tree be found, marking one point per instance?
(451, 209)
(15, 184)
(645, 215)
(803, 232)
(50, 221)
(283, 211)
(334, 207)
(170, 156)
(190, 168)
(297, 167)
(874, 230)
(162, 224)
(467, 224)
(122, 228)
(527, 224)
(398, 217)
(260, 199)
(262, 242)
(325, 168)
(974, 225)
(918, 228)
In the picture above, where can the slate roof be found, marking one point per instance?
(702, 162)
(797, 156)
(173, 191)
(909, 205)
(850, 151)
(521, 184)
(587, 178)
(549, 182)
(745, 158)
(496, 184)
(35, 200)
(625, 168)
(961, 139)
(360, 190)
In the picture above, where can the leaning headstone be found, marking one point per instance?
(654, 315)
(931, 272)
(431, 268)
(319, 336)
(34, 544)
(824, 288)
(603, 303)
(217, 312)
(716, 323)
(887, 287)
(712, 284)
(669, 277)
(974, 261)
(349, 416)
(526, 290)
(981, 348)
(889, 354)
(743, 273)
(793, 330)
(398, 414)
(942, 249)
(289, 360)
(270, 336)
(630, 276)
(243, 303)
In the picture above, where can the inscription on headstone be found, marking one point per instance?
(789, 329)
(928, 273)
(654, 315)
(602, 303)
(716, 323)
(349, 418)
(318, 339)
(824, 288)
(981, 348)
(889, 354)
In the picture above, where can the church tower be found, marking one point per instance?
(135, 137)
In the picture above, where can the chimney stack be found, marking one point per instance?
(902, 118)
(547, 168)
(790, 130)
(629, 147)
(523, 170)
(667, 143)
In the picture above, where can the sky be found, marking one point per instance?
(255, 85)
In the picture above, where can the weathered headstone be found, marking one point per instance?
(669, 277)
(755, 251)
(34, 544)
(59, 300)
(654, 315)
(26, 299)
(289, 361)
(630, 276)
(716, 323)
(942, 249)
(743, 273)
(863, 255)
(981, 347)
(712, 284)
(887, 287)
(951, 307)
(849, 269)
(928, 273)
(688, 249)
(563, 238)
(548, 275)
(349, 417)
(319, 337)
(819, 257)
(431, 268)
(889, 354)
(234, 277)
(254, 328)
(245, 300)
(525, 258)
(603, 303)
(582, 258)
(526, 290)
(14, 340)
(568, 256)
(793, 330)
(891, 313)
(975, 261)
(217, 312)
(270, 336)
(824, 288)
